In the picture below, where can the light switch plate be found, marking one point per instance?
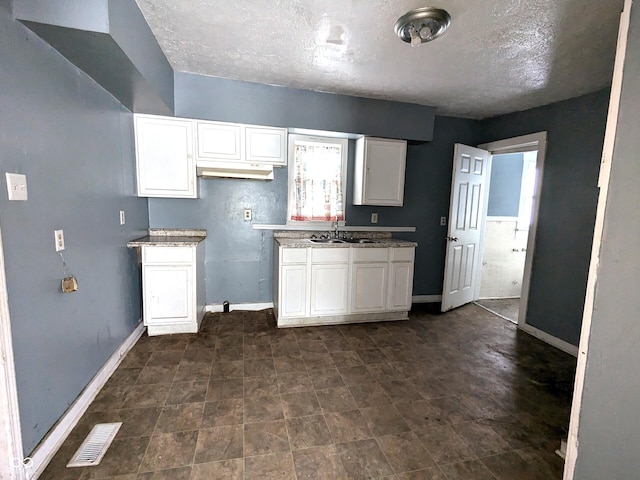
(122, 217)
(17, 186)
(374, 218)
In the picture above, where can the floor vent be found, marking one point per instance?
(95, 445)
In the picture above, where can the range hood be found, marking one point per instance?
(234, 170)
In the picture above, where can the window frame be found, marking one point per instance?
(297, 137)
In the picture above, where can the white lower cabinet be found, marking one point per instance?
(172, 285)
(294, 286)
(329, 289)
(400, 278)
(315, 286)
(369, 279)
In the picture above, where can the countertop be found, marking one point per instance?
(380, 243)
(170, 237)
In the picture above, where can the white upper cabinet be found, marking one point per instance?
(221, 141)
(164, 157)
(233, 142)
(265, 145)
(379, 171)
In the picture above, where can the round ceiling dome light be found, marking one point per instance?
(422, 25)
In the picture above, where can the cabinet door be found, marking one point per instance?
(168, 296)
(400, 286)
(293, 291)
(266, 145)
(382, 162)
(164, 157)
(329, 289)
(219, 141)
(368, 287)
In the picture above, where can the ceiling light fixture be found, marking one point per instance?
(422, 25)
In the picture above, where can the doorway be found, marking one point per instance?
(530, 151)
(510, 204)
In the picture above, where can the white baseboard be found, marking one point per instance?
(426, 299)
(550, 339)
(45, 451)
(240, 306)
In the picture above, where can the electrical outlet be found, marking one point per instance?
(122, 217)
(374, 218)
(247, 214)
(443, 221)
(59, 239)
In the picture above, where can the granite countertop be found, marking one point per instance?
(170, 237)
(379, 243)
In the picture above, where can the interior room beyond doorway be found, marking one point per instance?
(509, 212)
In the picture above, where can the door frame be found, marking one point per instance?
(525, 143)
(11, 452)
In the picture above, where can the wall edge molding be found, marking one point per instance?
(550, 339)
(48, 447)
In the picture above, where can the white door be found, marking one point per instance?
(467, 210)
(400, 286)
(168, 294)
(329, 289)
(368, 281)
(293, 291)
(164, 156)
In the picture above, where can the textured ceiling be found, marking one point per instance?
(498, 56)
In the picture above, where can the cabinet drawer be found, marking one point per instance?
(402, 254)
(329, 255)
(372, 254)
(294, 255)
(163, 255)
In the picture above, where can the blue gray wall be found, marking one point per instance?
(239, 259)
(567, 207)
(211, 98)
(74, 142)
(505, 186)
(609, 415)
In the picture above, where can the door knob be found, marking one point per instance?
(452, 239)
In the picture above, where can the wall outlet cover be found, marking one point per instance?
(247, 214)
(374, 218)
(59, 239)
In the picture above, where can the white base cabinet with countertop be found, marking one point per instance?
(323, 286)
(173, 288)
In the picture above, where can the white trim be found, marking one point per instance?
(426, 299)
(11, 453)
(240, 306)
(257, 226)
(497, 218)
(603, 183)
(534, 141)
(550, 339)
(45, 451)
(495, 313)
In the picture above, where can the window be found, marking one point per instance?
(317, 179)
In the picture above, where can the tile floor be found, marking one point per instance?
(507, 307)
(461, 395)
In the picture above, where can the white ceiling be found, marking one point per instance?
(498, 56)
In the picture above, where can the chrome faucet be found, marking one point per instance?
(335, 231)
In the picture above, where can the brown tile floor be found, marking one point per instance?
(461, 395)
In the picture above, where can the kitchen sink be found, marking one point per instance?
(326, 240)
(360, 240)
(343, 240)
